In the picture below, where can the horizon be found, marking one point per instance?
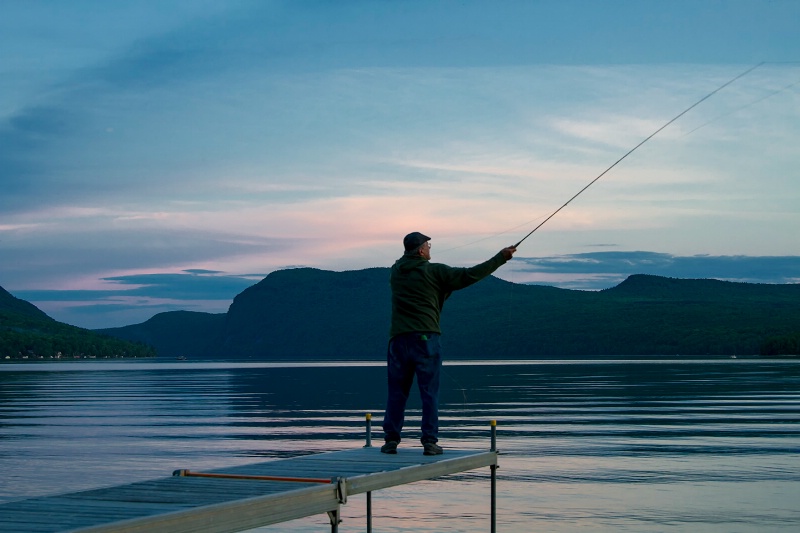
(159, 156)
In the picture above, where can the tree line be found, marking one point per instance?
(781, 345)
(31, 337)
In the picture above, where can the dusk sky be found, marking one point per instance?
(166, 155)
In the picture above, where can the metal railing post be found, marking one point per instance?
(494, 478)
(369, 512)
(369, 431)
(369, 494)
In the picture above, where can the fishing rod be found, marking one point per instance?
(703, 99)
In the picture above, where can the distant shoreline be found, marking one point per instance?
(143, 364)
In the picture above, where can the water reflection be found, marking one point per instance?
(605, 445)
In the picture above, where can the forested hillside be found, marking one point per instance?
(177, 333)
(315, 314)
(27, 333)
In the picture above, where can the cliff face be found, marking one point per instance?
(311, 314)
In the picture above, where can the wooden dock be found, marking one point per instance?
(239, 498)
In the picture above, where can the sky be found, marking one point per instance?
(165, 155)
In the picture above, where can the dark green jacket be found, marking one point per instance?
(419, 289)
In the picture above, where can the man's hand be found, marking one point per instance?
(508, 253)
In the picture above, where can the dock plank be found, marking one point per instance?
(178, 504)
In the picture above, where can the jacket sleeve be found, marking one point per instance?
(453, 278)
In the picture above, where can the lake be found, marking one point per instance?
(600, 445)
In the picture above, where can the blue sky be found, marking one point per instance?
(166, 155)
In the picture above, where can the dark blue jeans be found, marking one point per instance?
(411, 354)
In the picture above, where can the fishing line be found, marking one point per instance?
(754, 102)
(492, 236)
(459, 385)
(703, 99)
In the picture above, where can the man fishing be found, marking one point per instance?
(419, 289)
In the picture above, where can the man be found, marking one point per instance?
(419, 289)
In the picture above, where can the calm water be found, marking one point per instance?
(639, 446)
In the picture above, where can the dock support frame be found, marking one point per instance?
(335, 517)
(369, 494)
(493, 468)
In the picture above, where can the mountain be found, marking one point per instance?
(299, 313)
(26, 332)
(12, 305)
(306, 313)
(176, 333)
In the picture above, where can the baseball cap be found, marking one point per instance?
(414, 240)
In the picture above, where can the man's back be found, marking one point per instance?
(420, 288)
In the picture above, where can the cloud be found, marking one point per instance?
(195, 284)
(105, 249)
(191, 285)
(135, 298)
(23, 137)
(169, 87)
(600, 270)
